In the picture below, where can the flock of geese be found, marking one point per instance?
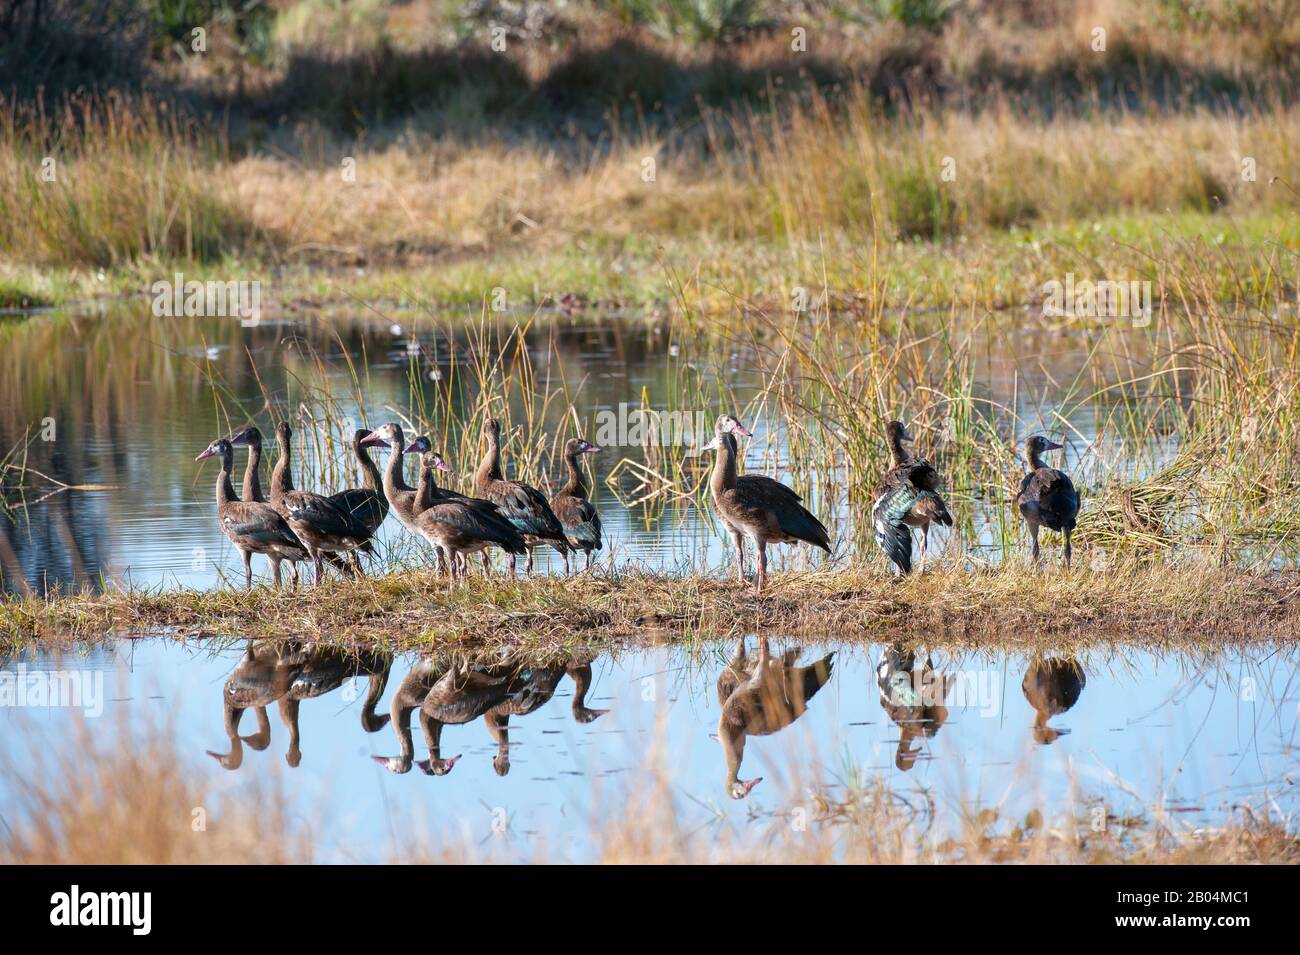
(759, 694)
(295, 526)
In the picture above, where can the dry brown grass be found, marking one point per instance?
(1010, 607)
(120, 796)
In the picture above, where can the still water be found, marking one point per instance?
(117, 406)
(1103, 736)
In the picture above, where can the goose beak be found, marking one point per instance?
(442, 465)
(374, 440)
(412, 448)
(745, 786)
(591, 449)
(740, 429)
(208, 452)
(1052, 446)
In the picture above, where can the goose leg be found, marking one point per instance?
(925, 542)
(498, 725)
(761, 547)
(248, 569)
(566, 563)
(357, 569)
(513, 558)
(738, 542)
(1067, 548)
(588, 567)
(528, 563)
(275, 571)
(487, 565)
(1033, 533)
(293, 574)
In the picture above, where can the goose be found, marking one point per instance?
(755, 506)
(252, 526)
(577, 515)
(1047, 497)
(323, 670)
(1052, 686)
(907, 497)
(523, 506)
(457, 526)
(366, 504)
(915, 704)
(445, 696)
(323, 526)
(261, 677)
(251, 438)
(759, 697)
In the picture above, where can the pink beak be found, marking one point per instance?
(207, 453)
(742, 430)
(590, 449)
(443, 465)
(412, 447)
(748, 784)
(374, 440)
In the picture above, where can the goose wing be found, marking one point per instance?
(258, 524)
(368, 508)
(526, 509)
(323, 515)
(760, 493)
(579, 519)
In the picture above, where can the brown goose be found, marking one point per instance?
(907, 497)
(458, 526)
(916, 704)
(759, 697)
(366, 504)
(325, 669)
(444, 695)
(322, 525)
(528, 690)
(260, 678)
(1052, 686)
(523, 506)
(399, 494)
(755, 506)
(251, 438)
(1047, 497)
(578, 516)
(253, 527)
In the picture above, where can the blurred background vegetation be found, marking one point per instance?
(202, 130)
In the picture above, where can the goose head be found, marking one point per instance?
(250, 437)
(437, 767)
(575, 446)
(896, 431)
(421, 445)
(218, 448)
(730, 424)
(385, 436)
(1038, 444)
(740, 788)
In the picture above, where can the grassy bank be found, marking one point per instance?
(1011, 608)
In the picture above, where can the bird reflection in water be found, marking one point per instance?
(914, 701)
(460, 692)
(286, 672)
(760, 695)
(1052, 685)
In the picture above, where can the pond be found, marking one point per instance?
(1099, 739)
(121, 403)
